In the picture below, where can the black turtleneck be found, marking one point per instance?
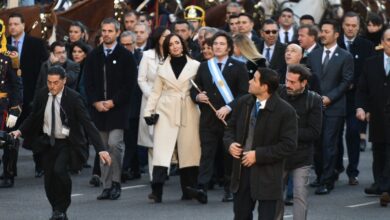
(178, 64)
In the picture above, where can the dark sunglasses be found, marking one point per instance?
(271, 31)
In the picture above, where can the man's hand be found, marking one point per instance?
(360, 114)
(249, 158)
(11, 121)
(16, 133)
(222, 112)
(53, 59)
(100, 106)
(202, 97)
(235, 150)
(325, 101)
(109, 104)
(105, 157)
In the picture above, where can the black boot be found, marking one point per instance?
(115, 191)
(199, 193)
(188, 177)
(156, 194)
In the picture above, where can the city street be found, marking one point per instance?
(26, 200)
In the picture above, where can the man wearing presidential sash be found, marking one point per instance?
(222, 80)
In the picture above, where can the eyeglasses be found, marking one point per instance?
(270, 31)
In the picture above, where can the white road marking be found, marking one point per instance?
(133, 187)
(362, 204)
(74, 195)
(288, 216)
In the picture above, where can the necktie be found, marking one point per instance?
(349, 44)
(220, 66)
(268, 54)
(16, 44)
(258, 105)
(286, 37)
(53, 121)
(108, 52)
(305, 53)
(326, 60)
(387, 66)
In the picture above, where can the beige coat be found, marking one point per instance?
(147, 72)
(179, 116)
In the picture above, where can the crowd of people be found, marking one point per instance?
(252, 111)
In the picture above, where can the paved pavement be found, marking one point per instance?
(27, 200)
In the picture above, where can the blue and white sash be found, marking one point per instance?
(220, 82)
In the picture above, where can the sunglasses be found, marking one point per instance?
(271, 31)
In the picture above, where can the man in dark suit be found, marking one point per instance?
(261, 133)
(211, 125)
(307, 38)
(142, 42)
(245, 26)
(360, 49)
(334, 67)
(56, 123)
(288, 32)
(110, 76)
(271, 49)
(32, 53)
(373, 105)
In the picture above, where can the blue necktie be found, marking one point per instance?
(258, 105)
(268, 54)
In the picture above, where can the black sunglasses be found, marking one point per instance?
(271, 31)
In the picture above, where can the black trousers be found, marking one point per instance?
(130, 157)
(243, 204)
(381, 165)
(211, 143)
(58, 185)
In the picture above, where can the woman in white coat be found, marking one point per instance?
(147, 72)
(178, 122)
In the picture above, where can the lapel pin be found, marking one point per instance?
(230, 64)
(114, 61)
(356, 56)
(336, 54)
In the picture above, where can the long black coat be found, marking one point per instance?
(121, 77)
(78, 120)
(275, 138)
(373, 95)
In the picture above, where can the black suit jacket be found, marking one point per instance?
(373, 95)
(121, 77)
(276, 138)
(75, 112)
(236, 77)
(277, 62)
(335, 79)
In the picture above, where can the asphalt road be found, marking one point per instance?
(26, 200)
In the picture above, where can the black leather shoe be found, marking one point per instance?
(227, 197)
(353, 181)
(57, 215)
(363, 145)
(95, 181)
(372, 190)
(7, 183)
(39, 173)
(155, 198)
(105, 194)
(384, 199)
(198, 194)
(322, 190)
(115, 191)
(315, 183)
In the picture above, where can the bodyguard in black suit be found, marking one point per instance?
(288, 32)
(373, 105)
(334, 67)
(211, 127)
(56, 127)
(261, 133)
(246, 23)
(360, 49)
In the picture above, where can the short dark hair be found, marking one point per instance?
(307, 17)
(57, 70)
(286, 10)
(334, 23)
(82, 27)
(269, 21)
(56, 44)
(312, 30)
(113, 21)
(246, 15)
(233, 16)
(351, 14)
(375, 19)
(16, 15)
(181, 21)
(300, 69)
(270, 78)
(229, 40)
(166, 45)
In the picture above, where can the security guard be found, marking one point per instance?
(195, 15)
(11, 90)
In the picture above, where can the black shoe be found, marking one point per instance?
(155, 197)
(38, 173)
(185, 197)
(227, 197)
(115, 191)
(289, 202)
(315, 183)
(363, 145)
(95, 181)
(353, 181)
(322, 190)
(198, 194)
(156, 194)
(7, 183)
(57, 215)
(372, 190)
(106, 194)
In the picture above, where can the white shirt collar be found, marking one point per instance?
(332, 49)
(262, 103)
(112, 48)
(311, 48)
(385, 57)
(347, 39)
(59, 95)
